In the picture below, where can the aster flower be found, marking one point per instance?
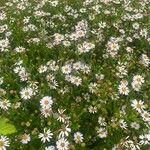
(64, 131)
(46, 135)
(123, 89)
(4, 142)
(66, 69)
(46, 101)
(102, 132)
(25, 138)
(78, 137)
(50, 148)
(26, 93)
(46, 112)
(138, 105)
(5, 104)
(62, 144)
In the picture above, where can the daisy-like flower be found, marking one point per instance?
(46, 112)
(20, 49)
(76, 80)
(61, 115)
(146, 116)
(102, 132)
(77, 65)
(144, 139)
(122, 124)
(101, 121)
(58, 37)
(85, 47)
(26, 93)
(85, 69)
(42, 69)
(46, 101)
(138, 105)
(123, 89)
(25, 138)
(145, 60)
(46, 135)
(139, 79)
(112, 47)
(5, 104)
(4, 142)
(135, 125)
(66, 69)
(92, 109)
(93, 87)
(4, 44)
(50, 148)
(78, 137)
(136, 86)
(64, 131)
(62, 144)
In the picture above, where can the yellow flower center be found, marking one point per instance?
(46, 102)
(1, 143)
(24, 137)
(62, 145)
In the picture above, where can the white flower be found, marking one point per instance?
(25, 138)
(145, 60)
(144, 139)
(102, 132)
(46, 135)
(64, 132)
(20, 49)
(93, 87)
(46, 102)
(76, 80)
(85, 69)
(138, 105)
(46, 112)
(85, 47)
(58, 37)
(135, 125)
(143, 33)
(123, 89)
(136, 25)
(139, 79)
(4, 44)
(146, 116)
(66, 69)
(61, 115)
(136, 86)
(19, 69)
(77, 65)
(26, 93)
(4, 142)
(66, 43)
(42, 69)
(101, 121)
(112, 47)
(92, 109)
(62, 144)
(50, 148)
(122, 124)
(78, 137)
(5, 104)
(129, 49)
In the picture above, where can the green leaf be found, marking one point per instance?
(6, 127)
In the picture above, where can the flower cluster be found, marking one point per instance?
(74, 75)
